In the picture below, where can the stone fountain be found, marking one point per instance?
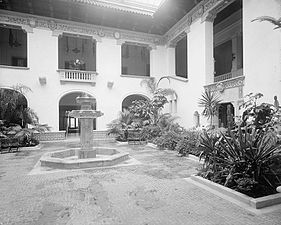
(86, 116)
(87, 155)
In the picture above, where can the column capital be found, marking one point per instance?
(208, 17)
(187, 30)
(56, 33)
(27, 28)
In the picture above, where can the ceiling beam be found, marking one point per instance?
(51, 8)
(30, 6)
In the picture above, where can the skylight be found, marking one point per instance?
(144, 7)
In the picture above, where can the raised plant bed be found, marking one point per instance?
(50, 136)
(256, 203)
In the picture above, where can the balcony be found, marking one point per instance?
(228, 76)
(77, 76)
(235, 82)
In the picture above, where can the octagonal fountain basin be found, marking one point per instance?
(68, 159)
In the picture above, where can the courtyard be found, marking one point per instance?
(151, 190)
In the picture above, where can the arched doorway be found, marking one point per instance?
(226, 115)
(68, 103)
(128, 101)
(13, 107)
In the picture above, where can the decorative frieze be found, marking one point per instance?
(226, 84)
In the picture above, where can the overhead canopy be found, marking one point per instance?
(122, 14)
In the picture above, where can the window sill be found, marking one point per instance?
(14, 67)
(178, 78)
(135, 76)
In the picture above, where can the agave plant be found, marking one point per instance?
(210, 101)
(252, 149)
(242, 157)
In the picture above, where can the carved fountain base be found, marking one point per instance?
(69, 159)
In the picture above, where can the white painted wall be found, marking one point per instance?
(199, 58)
(262, 52)
(43, 62)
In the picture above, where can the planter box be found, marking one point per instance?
(100, 137)
(256, 203)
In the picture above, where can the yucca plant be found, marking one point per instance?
(252, 149)
(209, 150)
(210, 102)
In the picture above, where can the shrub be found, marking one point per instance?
(150, 132)
(168, 140)
(120, 126)
(189, 143)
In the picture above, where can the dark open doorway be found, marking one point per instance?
(226, 115)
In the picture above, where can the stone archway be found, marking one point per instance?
(128, 101)
(68, 103)
(13, 105)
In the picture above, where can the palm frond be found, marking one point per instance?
(150, 85)
(270, 19)
(210, 101)
(164, 77)
(21, 88)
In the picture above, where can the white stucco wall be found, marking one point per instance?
(262, 52)
(199, 57)
(43, 62)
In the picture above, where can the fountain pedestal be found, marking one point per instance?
(86, 116)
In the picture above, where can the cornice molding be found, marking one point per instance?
(58, 26)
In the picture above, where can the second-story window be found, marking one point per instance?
(13, 46)
(135, 59)
(77, 53)
(181, 57)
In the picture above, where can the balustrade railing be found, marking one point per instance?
(222, 77)
(228, 76)
(77, 76)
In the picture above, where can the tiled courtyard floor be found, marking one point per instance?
(150, 193)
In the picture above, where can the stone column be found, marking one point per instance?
(207, 21)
